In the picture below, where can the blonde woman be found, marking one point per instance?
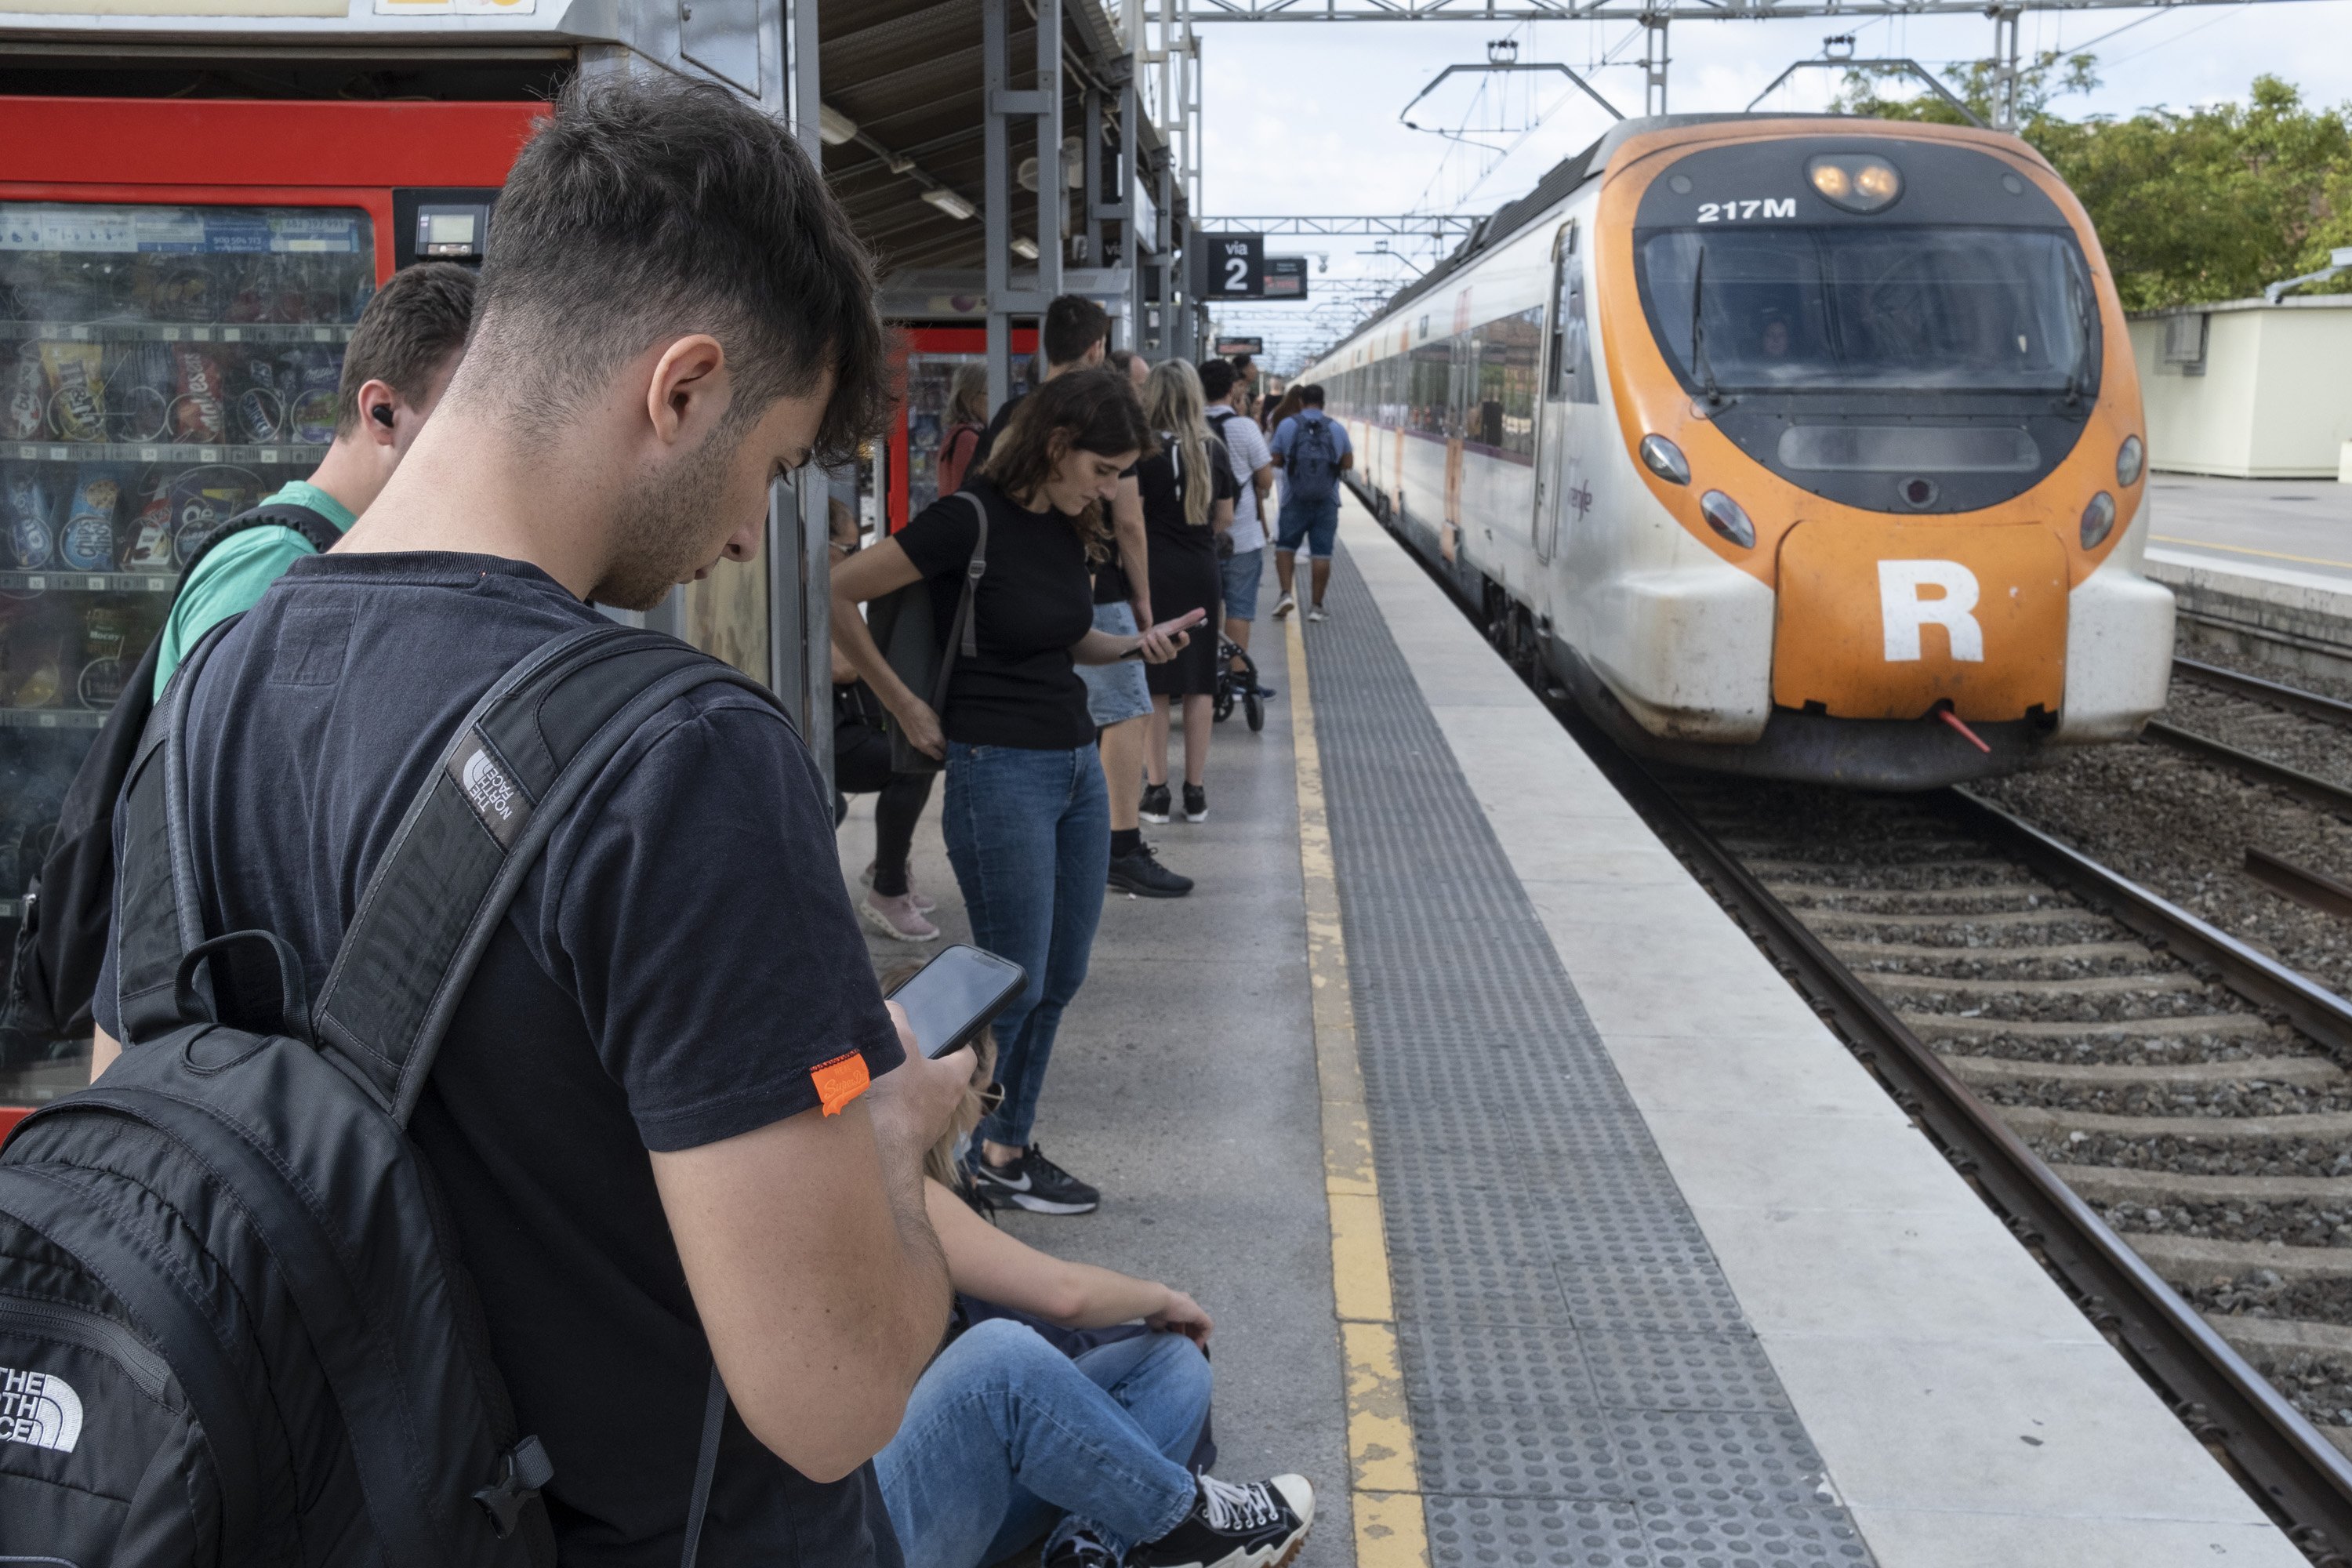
(1188, 491)
(967, 421)
(1008, 1439)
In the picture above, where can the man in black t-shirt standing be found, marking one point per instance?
(673, 1119)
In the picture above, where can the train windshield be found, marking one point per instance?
(1819, 309)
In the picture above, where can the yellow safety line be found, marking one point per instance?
(2248, 549)
(1384, 1477)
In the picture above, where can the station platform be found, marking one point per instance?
(1542, 1223)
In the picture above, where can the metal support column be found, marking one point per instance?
(800, 587)
(2006, 66)
(1042, 102)
(1654, 62)
(996, 199)
(1134, 248)
(1090, 182)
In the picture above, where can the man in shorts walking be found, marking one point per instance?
(1312, 451)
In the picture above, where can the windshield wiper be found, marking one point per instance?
(1698, 331)
(2075, 373)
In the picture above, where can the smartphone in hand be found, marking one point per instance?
(1183, 622)
(950, 999)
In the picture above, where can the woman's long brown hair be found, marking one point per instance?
(1089, 410)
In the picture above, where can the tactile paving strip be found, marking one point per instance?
(1585, 1392)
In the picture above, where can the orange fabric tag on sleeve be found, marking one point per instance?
(839, 1081)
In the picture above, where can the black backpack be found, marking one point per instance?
(233, 1327)
(61, 941)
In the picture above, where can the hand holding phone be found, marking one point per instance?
(950, 999)
(1172, 631)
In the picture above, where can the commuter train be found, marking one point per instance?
(1803, 447)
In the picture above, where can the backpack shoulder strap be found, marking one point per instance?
(517, 765)
(967, 637)
(157, 917)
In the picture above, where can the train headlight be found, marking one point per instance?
(1665, 459)
(2130, 457)
(2098, 520)
(1727, 517)
(1852, 181)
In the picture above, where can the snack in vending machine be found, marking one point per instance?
(309, 383)
(148, 546)
(202, 499)
(86, 543)
(44, 683)
(139, 394)
(32, 539)
(260, 407)
(27, 414)
(200, 413)
(104, 637)
(77, 391)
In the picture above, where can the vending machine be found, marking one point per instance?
(177, 281)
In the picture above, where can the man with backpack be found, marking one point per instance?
(1242, 553)
(675, 1132)
(1312, 450)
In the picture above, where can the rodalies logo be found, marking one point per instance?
(39, 1408)
(501, 806)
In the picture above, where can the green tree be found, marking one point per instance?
(2211, 204)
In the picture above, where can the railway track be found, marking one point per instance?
(2164, 1113)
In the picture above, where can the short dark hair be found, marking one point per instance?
(1311, 394)
(650, 208)
(416, 321)
(1120, 360)
(1241, 366)
(1094, 411)
(1074, 324)
(1216, 379)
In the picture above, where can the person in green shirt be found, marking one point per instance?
(402, 351)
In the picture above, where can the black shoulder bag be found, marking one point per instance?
(904, 629)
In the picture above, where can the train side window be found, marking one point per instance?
(1570, 352)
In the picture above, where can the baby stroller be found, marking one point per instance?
(1239, 684)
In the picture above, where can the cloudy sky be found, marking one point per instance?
(1302, 117)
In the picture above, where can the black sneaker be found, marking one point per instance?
(1155, 804)
(1196, 804)
(1260, 1525)
(1037, 1183)
(1079, 1549)
(1142, 875)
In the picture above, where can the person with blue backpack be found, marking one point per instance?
(1310, 451)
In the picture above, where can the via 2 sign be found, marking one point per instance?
(1231, 266)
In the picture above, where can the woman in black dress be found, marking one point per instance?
(1189, 489)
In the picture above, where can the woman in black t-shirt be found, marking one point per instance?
(1026, 819)
(1188, 490)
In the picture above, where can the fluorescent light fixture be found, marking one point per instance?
(1025, 248)
(947, 202)
(833, 127)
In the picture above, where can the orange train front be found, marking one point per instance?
(1803, 447)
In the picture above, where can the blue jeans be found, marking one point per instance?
(1028, 833)
(1314, 522)
(1005, 1434)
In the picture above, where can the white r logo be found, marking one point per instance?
(1904, 612)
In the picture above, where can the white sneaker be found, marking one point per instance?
(1317, 613)
(896, 919)
(1284, 606)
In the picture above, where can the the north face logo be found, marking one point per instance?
(39, 1408)
(487, 788)
(502, 807)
